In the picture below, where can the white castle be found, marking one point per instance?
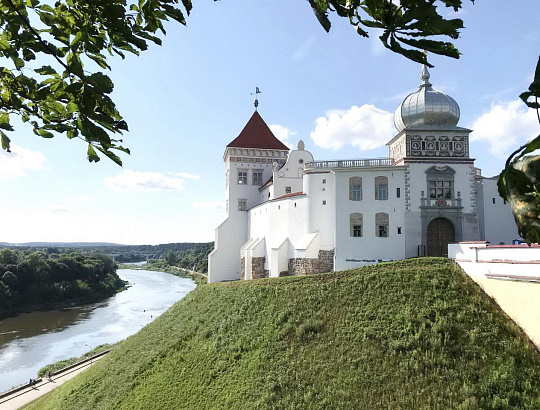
(288, 214)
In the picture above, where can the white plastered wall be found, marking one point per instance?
(352, 252)
(499, 223)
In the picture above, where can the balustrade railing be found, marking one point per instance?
(350, 163)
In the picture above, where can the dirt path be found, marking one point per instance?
(30, 393)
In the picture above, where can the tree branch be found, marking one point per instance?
(38, 37)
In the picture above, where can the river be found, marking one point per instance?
(32, 340)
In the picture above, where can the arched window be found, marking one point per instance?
(381, 188)
(355, 189)
(381, 225)
(356, 220)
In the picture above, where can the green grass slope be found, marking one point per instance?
(416, 334)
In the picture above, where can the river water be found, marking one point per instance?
(32, 340)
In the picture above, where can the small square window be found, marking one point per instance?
(399, 230)
(242, 204)
(324, 202)
(242, 177)
(324, 181)
(287, 189)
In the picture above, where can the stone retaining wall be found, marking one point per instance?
(257, 268)
(310, 266)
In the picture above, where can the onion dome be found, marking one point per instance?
(426, 107)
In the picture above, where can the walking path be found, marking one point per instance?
(20, 397)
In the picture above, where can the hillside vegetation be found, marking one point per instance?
(33, 280)
(415, 334)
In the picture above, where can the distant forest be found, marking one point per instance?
(188, 255)
(33, 280)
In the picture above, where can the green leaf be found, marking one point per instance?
(46, 70)
(5, 141)
(111, 155)
(519, 184)
(4, 45)
(102, 82)
(72, 107)
(92, 155)
(19, 62)
(45, 134)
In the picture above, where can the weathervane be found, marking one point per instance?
(256, 103)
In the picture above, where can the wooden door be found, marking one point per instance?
(440, 233)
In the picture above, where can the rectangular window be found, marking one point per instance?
(242, 177)
(493, 200)
(324, 181)
(324, 202)
(382, 191)
(399, 230)
(257, 177)
(287, 189)
(357, 231)
(440, 189)
(398, 192)
(357, 193)
(383, 231)
(242, 204)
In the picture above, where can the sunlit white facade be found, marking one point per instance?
(290, 214)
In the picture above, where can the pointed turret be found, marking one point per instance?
(256, 134)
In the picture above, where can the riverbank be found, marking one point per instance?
(62, 304)
(161, 266)
(29, 342)
(18, 397)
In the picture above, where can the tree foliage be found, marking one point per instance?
(55, 54)
(32, 279)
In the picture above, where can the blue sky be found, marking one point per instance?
(185, 101)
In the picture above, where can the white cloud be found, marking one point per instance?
(19, 161)
(283, 133)
(506, 126)
(303, 49)
(187, 175)
(366, 127)
(130, 180)
(209, 206)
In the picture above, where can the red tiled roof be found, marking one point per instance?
(256, 134)
(289, 195)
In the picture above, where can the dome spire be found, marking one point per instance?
(425, 77)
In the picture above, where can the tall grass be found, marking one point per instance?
(415, 334)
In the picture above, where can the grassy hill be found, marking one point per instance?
(416, 334)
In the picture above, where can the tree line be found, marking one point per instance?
(32, 280)
(194, 257)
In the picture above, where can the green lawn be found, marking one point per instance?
(415, 334)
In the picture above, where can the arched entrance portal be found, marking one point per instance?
(440, 233)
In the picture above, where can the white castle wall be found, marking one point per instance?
(496, 216)
(353, 252)
(319, 187)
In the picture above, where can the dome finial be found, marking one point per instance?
(425, 77)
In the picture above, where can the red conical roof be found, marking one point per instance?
(256, 134)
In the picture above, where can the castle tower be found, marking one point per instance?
(248, 162)
(440, 200)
